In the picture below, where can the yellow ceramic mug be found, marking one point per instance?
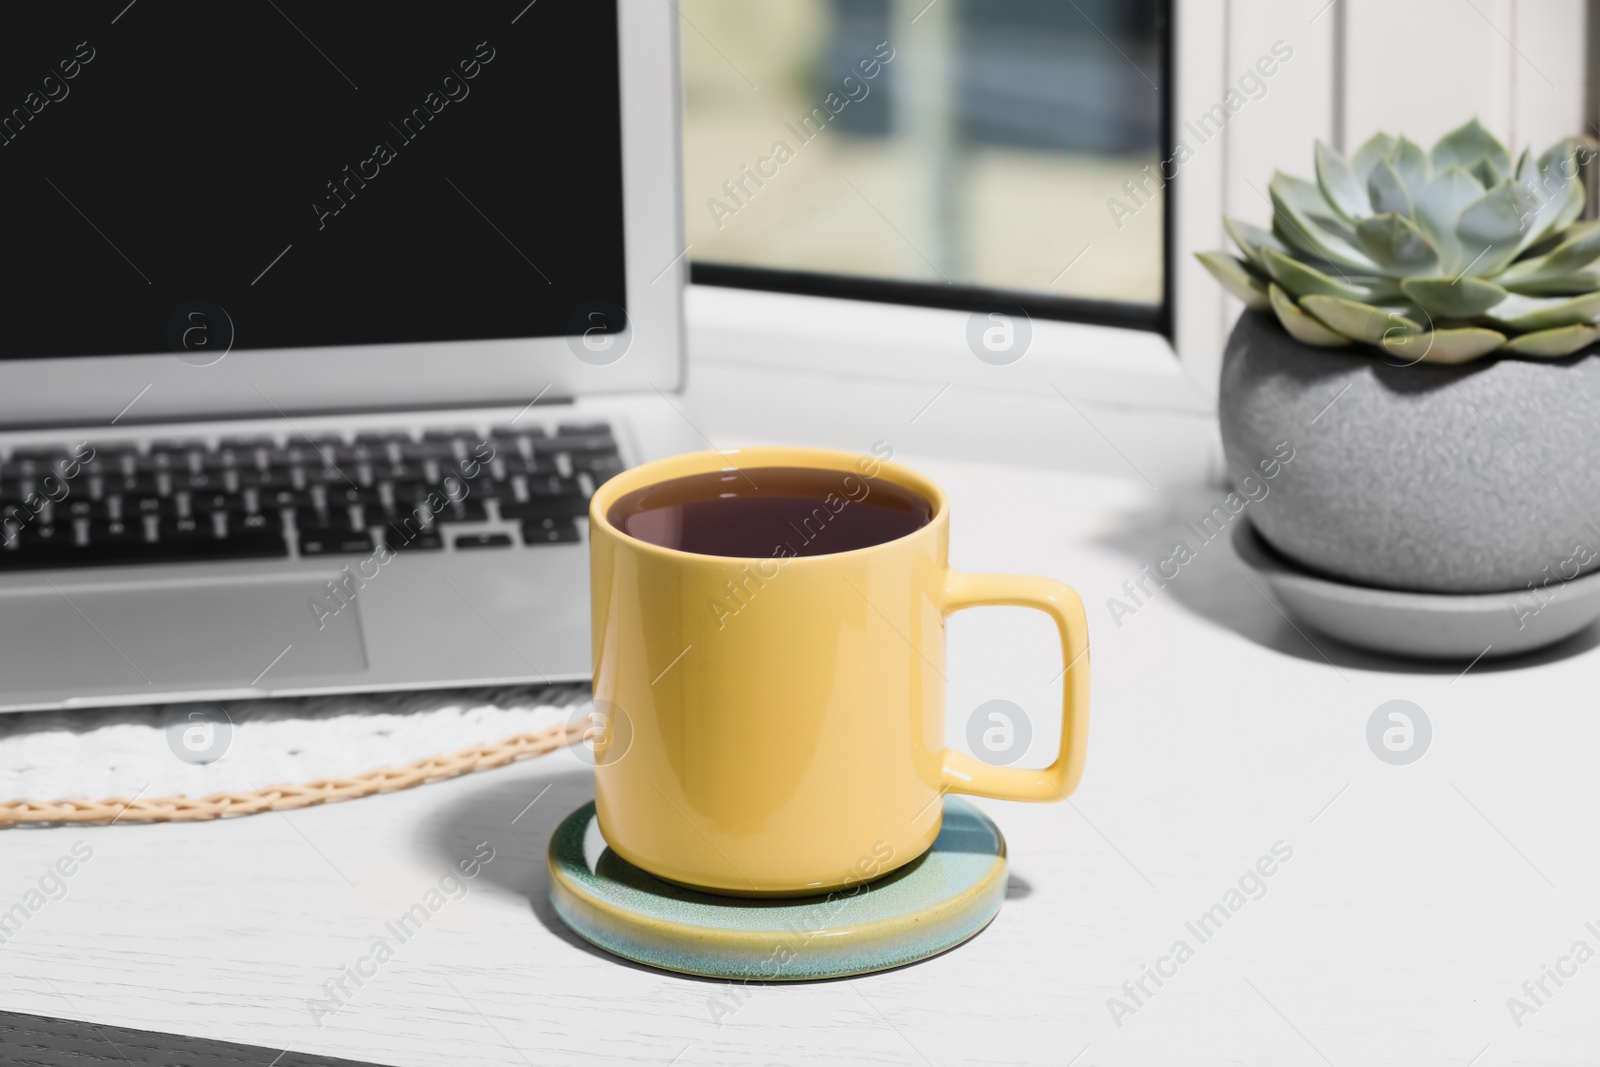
(775, 726)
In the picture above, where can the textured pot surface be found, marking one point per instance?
(1441, 479)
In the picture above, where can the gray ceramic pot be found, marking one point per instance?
(1464, 479)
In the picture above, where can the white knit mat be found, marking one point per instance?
(98, 753)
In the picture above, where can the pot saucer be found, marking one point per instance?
(922, 909)
(1423, 625)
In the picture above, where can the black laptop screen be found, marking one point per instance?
(299, 172)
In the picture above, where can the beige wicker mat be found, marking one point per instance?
(193, 762)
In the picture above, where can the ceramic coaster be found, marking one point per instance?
(931, 904)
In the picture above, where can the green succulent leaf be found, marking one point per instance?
(1487, 174)
(1459, 345)
(1526, 314)
(1578, 282)
(1252, 240)
(1346, 193)
(1439, 209)
(1561, 341)
(1300, 326)
(1463, 298)
(1463, 147)
(1560, 266)
(1301, 279)
(1386, 190)
(1438, 255)
(1360, 322)
(1235, 278)
(1544, 245)
(1306, 199)
(1553, 194)
(1319, 243)
(1378, 146)
(1411, 163)
(1397, 245)
(1492, 229)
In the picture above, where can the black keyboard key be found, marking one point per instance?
(228, 459)
(550, 532)
(148, 504)
(512, 432)
(554, 485)
(273, 478)
(157, 462)
(196, 481)
(577, 444)
(583, 428)
(188, 528)
(272, 499)
(299, 454)
(380, 437)
(82, 508)
(399, 529)
(448, 433)
(466, 510)
(550, 507)
(116, 533)
(601, 469)
(347, 495)
(106, 464)
(417, 451)
(214, 500)
(538, 467)
(406, 494)
(335, 519)
(40, 534)
(246, 443)
(475, 465)
(346, 475)
(45, 454)
(384, 471)
(329, 542)
(39, 556)
(350, 457)
(130, 485)
(246, 544)
(112, 544)
(422, 542)
(402, 529)
(483, 540)
(243, 522)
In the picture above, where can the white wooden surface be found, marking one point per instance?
(1417, 900)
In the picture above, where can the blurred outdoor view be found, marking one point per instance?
(975, 142)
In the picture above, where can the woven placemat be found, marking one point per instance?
(187, 762)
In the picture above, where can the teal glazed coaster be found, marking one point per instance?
(928, 906)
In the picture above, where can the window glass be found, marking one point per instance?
(954, 143)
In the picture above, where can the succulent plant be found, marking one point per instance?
(1440, 257)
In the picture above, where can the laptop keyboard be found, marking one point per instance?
(171, 501)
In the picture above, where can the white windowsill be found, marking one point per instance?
(858, 338)
(778, 368)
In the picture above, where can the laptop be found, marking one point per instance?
(322, 324)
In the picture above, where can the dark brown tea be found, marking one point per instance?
(763, 512)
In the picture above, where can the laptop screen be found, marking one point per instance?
(286, 173)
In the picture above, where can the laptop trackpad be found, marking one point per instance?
(227, 634)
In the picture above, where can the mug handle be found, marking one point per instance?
(964, 774)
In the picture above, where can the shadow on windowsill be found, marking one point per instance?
(1216, 585)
